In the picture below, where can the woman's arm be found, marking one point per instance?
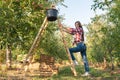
(65, 29)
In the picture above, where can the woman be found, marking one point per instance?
(80, 46)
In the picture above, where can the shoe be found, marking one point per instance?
(86, 74)
(75, 62)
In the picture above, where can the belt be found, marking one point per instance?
(80, 42)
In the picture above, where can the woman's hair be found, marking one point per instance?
(78, 23)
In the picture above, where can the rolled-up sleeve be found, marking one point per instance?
(72, 31)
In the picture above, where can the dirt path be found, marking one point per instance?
(18, 74)
(34, 74)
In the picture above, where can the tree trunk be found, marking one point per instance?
(112, 64)
(111, 58)
(105, 63)
(8, 57)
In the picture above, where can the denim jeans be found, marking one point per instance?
(80, 47)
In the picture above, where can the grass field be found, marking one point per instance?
(65, 73)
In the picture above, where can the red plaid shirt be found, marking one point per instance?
(78, 34)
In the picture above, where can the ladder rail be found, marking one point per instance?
(67, 50)
(37, 39)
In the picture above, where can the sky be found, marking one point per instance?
(77, 10)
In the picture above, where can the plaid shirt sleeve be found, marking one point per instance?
(72, 31)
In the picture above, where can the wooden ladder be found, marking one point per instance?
(37, 40)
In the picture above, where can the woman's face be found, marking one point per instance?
(77, 25)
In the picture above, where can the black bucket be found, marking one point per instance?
(52, 14)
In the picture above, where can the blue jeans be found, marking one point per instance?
(81, 47)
